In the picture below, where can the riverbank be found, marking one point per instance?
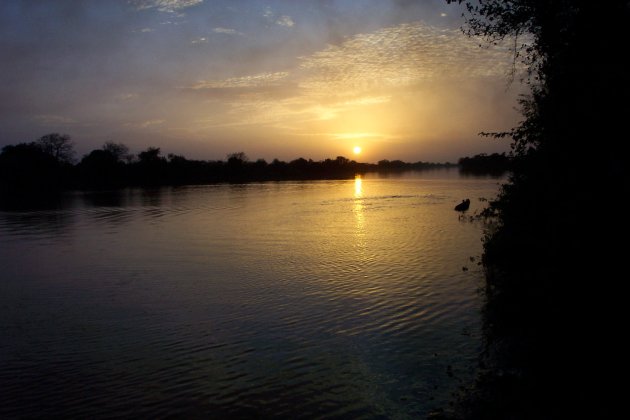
(552, 310)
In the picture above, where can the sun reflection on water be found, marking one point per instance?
(358, 186)
(358, 203)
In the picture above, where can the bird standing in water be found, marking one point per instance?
(463, 206)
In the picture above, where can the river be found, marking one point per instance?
(319, 299)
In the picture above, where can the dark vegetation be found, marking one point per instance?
(494, 164)
(555, 260)
(46, 166)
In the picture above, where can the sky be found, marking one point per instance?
(274, 78)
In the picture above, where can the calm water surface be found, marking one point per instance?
(289, 299)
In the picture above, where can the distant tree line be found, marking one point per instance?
(494, 164)
(399, 166)
(49, 164)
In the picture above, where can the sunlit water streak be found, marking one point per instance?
(290, 299)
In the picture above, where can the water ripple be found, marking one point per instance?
(268, 300)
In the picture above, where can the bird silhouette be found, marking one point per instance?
(463, 206)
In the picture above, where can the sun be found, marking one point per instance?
(357, 150)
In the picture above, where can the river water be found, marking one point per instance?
(326, 299)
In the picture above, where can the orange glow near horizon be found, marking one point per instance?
(403, 89)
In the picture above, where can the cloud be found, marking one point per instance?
(145, 124)
(201, 40)
(371, 85)
(364, 72)
(149, 123)
(281, 20)
(127, 96)
(169, 6)
(285, 20)
(257, 80)
(54, 120)
(397, 57)
(226, 31)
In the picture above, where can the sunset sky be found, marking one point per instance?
(275, 79)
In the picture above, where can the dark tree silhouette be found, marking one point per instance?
(494, 164)
(118, 150)
(25, 168)
(151, 168)
(552, 317)
(101, 169)
(151, 156)
(59, 146)
(237, 158)
(28, 167)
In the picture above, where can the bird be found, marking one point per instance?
(463, 206)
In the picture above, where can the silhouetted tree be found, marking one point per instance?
(32, 166)
(151, 168)
(25, 167)
(150, 156)
(101, 169)
(494, 164)
(58, 146)
(236, 159)
(558, 217)
(118, 150)
(261, 163)
(341, 160)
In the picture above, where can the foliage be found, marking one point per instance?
(553, 252)
(58, 146)
(100, 169)
(237, 158)
(494, 164)
(27, 167)
(118, 150)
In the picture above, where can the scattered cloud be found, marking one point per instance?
(258, 80)
(127, 96)
(399, 56)
(145, 124)
(54, 120)
(367, 74)
(149, 123)
(170, 6)
(281, 20)
(226, 31)
(333, 69)
(285, 20)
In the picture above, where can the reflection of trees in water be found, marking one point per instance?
(56, 223)
(153, 201)
(57, 214)
(117, 198)
(38, 214)
(152, 197)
